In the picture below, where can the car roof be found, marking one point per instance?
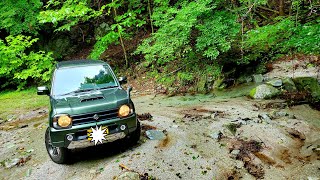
(75, 63)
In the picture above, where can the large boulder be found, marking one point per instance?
(308, 84)
(264, 91)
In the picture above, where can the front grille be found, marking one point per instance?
(89, 118)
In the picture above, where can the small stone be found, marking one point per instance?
(281, 114)
(217, 135)
(10, 117)
(155, 134)
(265, 117)
(239, 164)
(11, 163)
(235, 152)
(258, 78)
(129, 176)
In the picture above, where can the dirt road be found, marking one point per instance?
(207, 137)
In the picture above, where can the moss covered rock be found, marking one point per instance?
(264, 91)
(308, 84)
(288, 84)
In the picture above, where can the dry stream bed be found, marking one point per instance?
(207, 137)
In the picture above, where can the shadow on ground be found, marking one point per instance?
(101, 151)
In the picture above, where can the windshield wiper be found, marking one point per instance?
(77, 91)
(107, 87)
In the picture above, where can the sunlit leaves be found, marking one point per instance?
(218, 31)
(70, 14)
(20, 66)
(172, 40)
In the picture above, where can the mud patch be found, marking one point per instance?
(231, 175)
(165, 142)
(144, 117)
(244, 151)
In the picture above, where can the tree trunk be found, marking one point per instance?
(150, 14)
(281, 7)
(121, 40)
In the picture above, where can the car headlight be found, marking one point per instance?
(62, 121)
(124, 111)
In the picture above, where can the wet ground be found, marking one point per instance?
(215, 136)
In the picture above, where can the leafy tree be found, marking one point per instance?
(123, 22)
(66, 14)
(19, 16)
(19, 67)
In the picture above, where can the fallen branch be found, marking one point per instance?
(124, 167)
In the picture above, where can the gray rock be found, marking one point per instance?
(265, 117)
(280, 114)
(257, 78)
(275, 82)
(10, 117)
(129, 176)
(235, 152)
(289, 85)
(264, 92)
(155, 134)
(239, 164)
(217, 136)
(11, 163)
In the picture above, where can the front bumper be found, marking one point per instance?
(79, 132)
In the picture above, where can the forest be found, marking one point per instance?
(198, 44)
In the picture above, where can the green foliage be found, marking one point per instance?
(19, 16)
(172, 40)
(265, 38)
(67, 14)
(102, 44)
(118, 29)
(218, 31)
(19, 66)
(305, 39)
(285, 36)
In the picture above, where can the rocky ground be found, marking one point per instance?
(206, 137)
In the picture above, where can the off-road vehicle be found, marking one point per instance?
(88, 106)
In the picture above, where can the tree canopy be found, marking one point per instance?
(203, 39)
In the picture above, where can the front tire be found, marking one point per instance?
(57, 154)
(135, 135)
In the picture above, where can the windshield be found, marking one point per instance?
(80, 79)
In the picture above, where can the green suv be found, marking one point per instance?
(88, 106)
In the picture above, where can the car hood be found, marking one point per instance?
(88, 102)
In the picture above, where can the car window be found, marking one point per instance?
(83, 78)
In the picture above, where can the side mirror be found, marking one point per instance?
(43, 90)
(123, 80)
